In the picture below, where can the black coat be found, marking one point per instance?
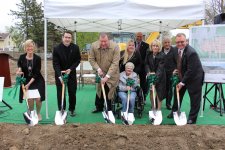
(66, 58)
(170, 60)
(192, 70)
(157, 66)
(39, 82)
(135, 59)
(143, 49)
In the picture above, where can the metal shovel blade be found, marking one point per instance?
(109, 117)
(127, 118)
(60, 117)
(155, 117)
(131, 118)
(180, 118)
(31, 119)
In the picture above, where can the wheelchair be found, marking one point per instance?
(139, 104)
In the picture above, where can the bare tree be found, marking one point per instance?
(213, 8)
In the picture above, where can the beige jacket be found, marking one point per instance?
(108, 61)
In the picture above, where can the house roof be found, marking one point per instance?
(3, 36)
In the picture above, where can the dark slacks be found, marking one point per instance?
(143, 83)
(71, 87)
(195, 92)
(99, 101)
(169, 88)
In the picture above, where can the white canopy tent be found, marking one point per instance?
(120, 15)
(123, 15)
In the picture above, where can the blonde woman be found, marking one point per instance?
(130, 55)
(154, 63)
(29, 64)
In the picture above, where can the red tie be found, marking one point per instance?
(179, 62)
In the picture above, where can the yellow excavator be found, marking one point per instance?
(152, 37)
(122, 37)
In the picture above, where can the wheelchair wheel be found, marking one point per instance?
(139, 114)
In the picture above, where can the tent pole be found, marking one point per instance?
(75, 32)
(75, 37)
(45, 61)
(160, 31)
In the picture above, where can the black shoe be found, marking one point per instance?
(191, 121)
(170, 115)
(96, 110)
(72, 113)
(169, 107)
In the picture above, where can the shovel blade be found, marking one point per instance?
(109, 117)
(180, 118)
(127, 118)
(60, 118)
(155, 117)
(131, 118)
(31, 119)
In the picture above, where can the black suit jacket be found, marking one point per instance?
(157, 66)
(170, 60)
(135, 59)
(143, 49)
(192, 70)
(63, 61)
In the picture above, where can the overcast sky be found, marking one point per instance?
(7, 20)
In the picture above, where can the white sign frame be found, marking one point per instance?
(1, 87)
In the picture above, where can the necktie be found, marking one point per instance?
(138, 46)
(179, 64)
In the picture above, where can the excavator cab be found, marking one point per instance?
(122, 38)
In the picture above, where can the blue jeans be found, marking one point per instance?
(123, 97)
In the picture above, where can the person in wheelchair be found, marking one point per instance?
(127, 88)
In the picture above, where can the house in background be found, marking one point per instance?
(6, 43)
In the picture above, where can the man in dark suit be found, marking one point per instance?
(191, 77)
(170, 60)
(66, 57)
(142, 47)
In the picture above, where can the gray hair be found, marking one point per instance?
(181, 34)
(129, 64)
(103, 35)
(165, 38)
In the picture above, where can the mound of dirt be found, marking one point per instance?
(107, 136)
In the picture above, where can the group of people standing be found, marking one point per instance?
(113, 66)
(162, 60)
(66, 58)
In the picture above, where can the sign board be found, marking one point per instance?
(214, 78)
(1, 87)
(209, 42)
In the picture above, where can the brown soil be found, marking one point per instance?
(106, 136)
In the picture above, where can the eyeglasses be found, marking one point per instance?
(180, 42)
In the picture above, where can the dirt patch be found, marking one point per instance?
(106, 136)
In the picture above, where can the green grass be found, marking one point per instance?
(85, 104)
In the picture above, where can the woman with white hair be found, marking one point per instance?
(128, 82)
(29, 65)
